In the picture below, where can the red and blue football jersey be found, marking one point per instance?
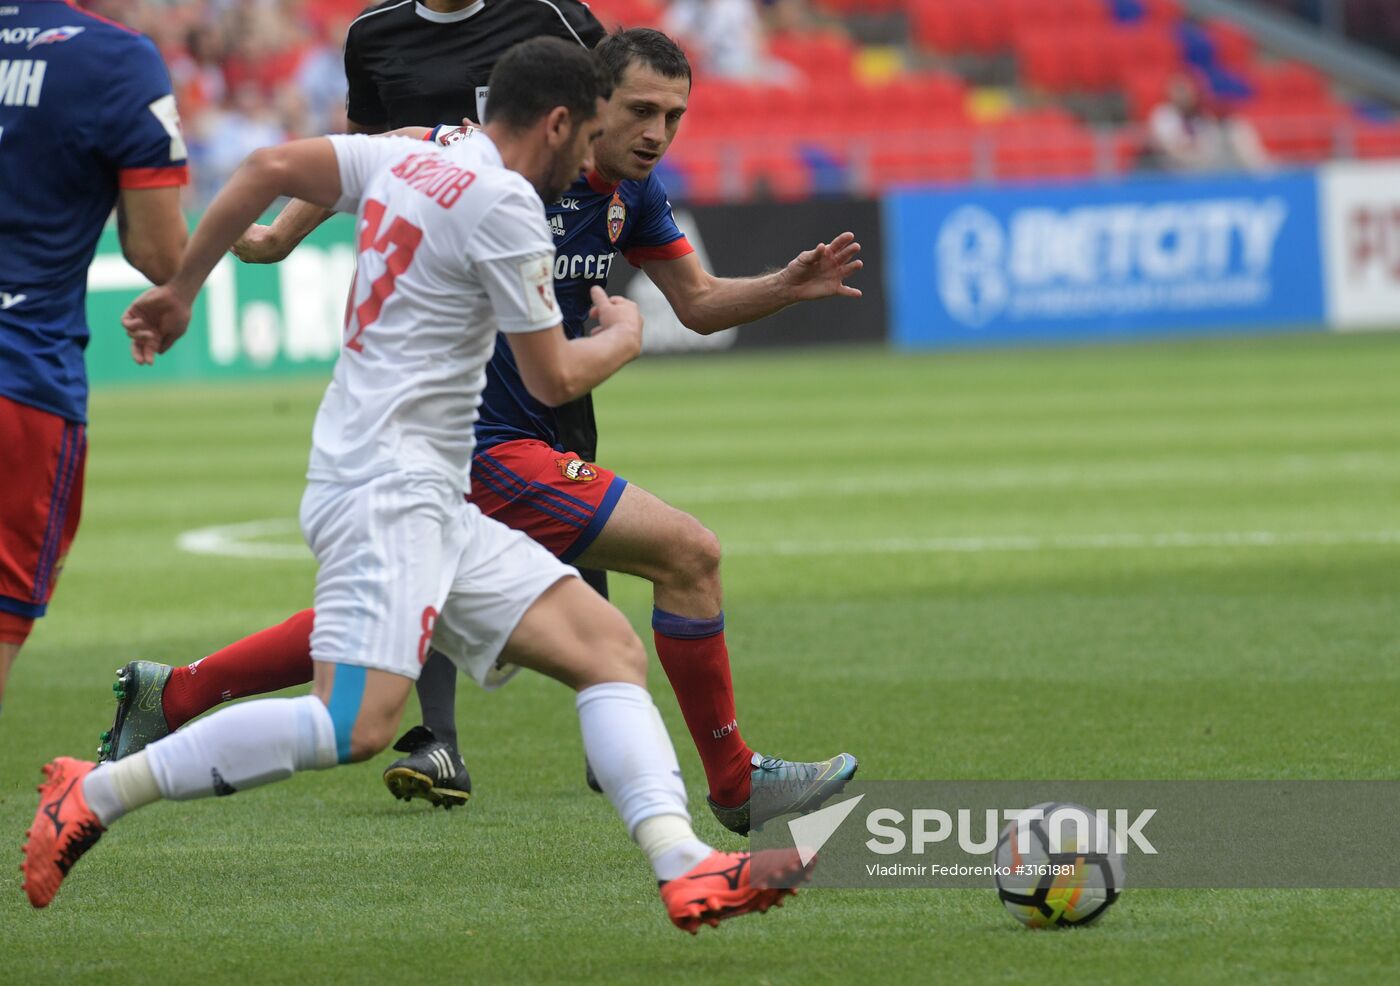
(85, 110)
(592, 223)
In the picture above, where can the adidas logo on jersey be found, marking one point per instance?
(556, 225)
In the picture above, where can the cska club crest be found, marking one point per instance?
(577, 470)
(617, 216)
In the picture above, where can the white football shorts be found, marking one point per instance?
(406, 564)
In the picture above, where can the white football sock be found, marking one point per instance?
(113, 789)
(632, 757)
(244, 746)
(670, 845)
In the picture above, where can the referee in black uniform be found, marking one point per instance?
(418, 63)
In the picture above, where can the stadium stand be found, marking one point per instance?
(974, 90)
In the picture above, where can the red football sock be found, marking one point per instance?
(696, 661)
(278, 657)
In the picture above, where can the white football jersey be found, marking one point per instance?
(452, 247)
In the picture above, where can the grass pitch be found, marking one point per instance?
(1167, 561)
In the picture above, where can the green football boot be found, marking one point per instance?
(140, 719)
(786, 787)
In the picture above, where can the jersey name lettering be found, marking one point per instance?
(430, 174)
(21, 81)
(592, 267)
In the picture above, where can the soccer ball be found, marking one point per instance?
(1049, 881)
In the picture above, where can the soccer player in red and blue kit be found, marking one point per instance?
(524, 475)
(87, 121)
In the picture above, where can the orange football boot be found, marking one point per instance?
(64, 828)
(719, 887)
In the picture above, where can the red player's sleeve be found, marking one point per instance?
(667, 251)
(176, 174)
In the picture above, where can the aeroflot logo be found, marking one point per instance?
(54, 35)
(32, 37)
(1107, 259)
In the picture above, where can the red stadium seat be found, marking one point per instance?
(1042, 143)
(1126, 148)
(779, 175)
(819, 56)
(1234, 46)
(1294, 137)
(703, 173)
(939, 24)
(1044, 63)
(1293, 83)
(1093, 67)
(848, 7)
(987, 25)
(1039, 16)
(942, 156)
(1377, 140)
(1058, 153)
(1141, 52)
(1145, 91)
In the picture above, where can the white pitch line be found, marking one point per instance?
(239, 541)
(242, 541)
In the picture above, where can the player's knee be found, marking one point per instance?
(619, 654)
(696, 555)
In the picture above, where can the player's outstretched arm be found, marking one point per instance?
(306, 169)
(556, 370)
(270, 244)
(706, 303)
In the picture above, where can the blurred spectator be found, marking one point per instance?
(780, 16)
(1186, 134)
(320, 79)
(197, 70)
(225, 136)
(246, 73)
(726, 39)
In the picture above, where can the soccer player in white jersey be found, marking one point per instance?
(453, 246)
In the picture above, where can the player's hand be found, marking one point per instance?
(154, 321)
(619, 315)
(822, 271)
(259, 245)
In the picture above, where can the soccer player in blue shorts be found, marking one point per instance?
(87, 121)
(524, 476)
